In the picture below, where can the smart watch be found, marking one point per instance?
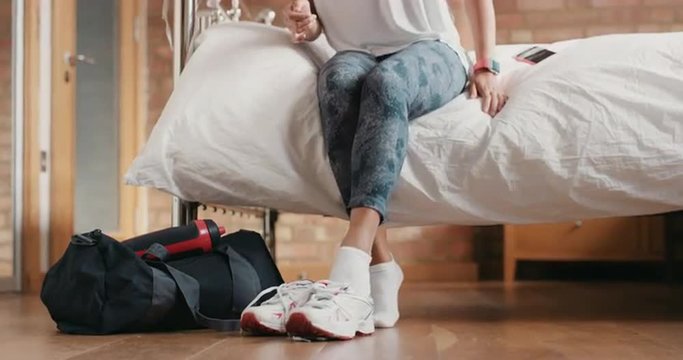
(489, 65)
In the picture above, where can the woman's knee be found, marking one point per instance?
(344, 72)
(385, 81)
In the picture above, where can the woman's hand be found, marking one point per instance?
(301, 21)
(485, 85)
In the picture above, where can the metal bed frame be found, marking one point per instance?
(187, 25)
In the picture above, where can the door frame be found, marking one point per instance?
(13, 283)
(63, 139)
(30, 233)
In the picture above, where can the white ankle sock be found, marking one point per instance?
(351, 267)
(385, 280)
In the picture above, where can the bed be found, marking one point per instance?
(597, 133)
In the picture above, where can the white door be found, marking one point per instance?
(95, 101)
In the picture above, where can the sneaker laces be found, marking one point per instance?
(324, 291)
(283, 291)
(325, 296)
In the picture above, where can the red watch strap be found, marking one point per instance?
(486, 64)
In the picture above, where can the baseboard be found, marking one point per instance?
(417, 272)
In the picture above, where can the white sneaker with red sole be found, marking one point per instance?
(333, 312)
(270, 316)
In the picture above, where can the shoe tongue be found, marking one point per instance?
(299, 291)
(293, 290)
(299, 297)
(299, 284)
(334, 286)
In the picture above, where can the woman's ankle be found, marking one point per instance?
(358, 240)
(380, 248)
(378, 259)
(362, 229)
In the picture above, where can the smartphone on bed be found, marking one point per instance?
(534, 55)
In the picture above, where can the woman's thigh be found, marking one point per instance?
(340, 83)
(426, 75)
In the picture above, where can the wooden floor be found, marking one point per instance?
(484, 321)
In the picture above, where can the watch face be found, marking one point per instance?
(495, 67)
(491, 66)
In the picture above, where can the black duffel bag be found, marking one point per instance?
(100, 286)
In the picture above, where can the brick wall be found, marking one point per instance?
(525, 21)
(307, 243)
(5, 137)
(540, 21)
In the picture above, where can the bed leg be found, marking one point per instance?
(509, 256)
(670, 235)
(269, 220)
(183, 212)
(510, 270)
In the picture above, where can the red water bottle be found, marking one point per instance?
(199, 236)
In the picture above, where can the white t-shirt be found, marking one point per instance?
(382, 27)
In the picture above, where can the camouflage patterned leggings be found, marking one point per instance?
(366, 104)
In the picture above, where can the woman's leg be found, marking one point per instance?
(413, 82)
(386, 278)
(380, 248)
(339, 89)
(408, 84)
(340, 84)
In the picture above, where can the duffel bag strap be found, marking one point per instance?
(189, 290)
(218, 324)
(245, 278)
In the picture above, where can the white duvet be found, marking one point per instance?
(594, 131)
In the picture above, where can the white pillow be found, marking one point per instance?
(231, 101)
